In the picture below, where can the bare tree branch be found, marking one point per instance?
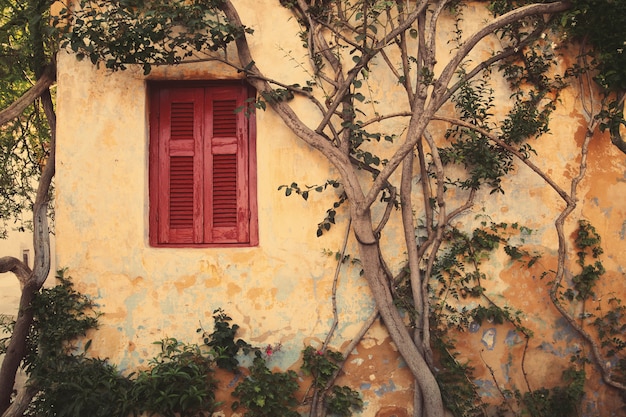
(420, 120)
(511, 149)
(19, 268)
(18, 106)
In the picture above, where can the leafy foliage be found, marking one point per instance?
(222, 341)
(485, 162)
(267, 394)
(322, 365)
(329, 219)
(558, 401)
(82, 387)
(343, 401)
(179, 380)
(455, 380)
(148, 33)
(61, 315)
(588, 243)
(27, 44)
(602, 25)
(178, 383)
(455, 377)
(59, 368)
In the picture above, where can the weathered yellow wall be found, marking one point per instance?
(280, 291)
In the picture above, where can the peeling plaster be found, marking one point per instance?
(280, 291)
(489, 338)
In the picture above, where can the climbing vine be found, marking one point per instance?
(433, 181)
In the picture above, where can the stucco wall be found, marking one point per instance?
(280, 291)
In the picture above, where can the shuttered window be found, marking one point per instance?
(202, 166)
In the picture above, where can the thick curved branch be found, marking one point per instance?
(19, 105)
(436, 243)
(41, 237)
(392, 194)
(21, 402)
(14, 265)
(288, 116)
(408, 226)
(340, 261)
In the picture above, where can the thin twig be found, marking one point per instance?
(340, 261)
(495, 382)
(598, 359)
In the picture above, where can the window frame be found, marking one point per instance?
(158, 191)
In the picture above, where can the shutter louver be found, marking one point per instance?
(181, 168)
(225, 165)
(224, 118)
(181, 121)
(224, 190)
(181, 192)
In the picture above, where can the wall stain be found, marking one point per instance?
(489, 338)
(392, 411)
(184, 282)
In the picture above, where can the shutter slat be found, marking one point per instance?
(182, 121)
(181, 167)
(224, 190)
(181, 192)
(224, 117)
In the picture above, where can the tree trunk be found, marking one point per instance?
(41, 242)
(377, 280)
(22, 401)
(17, 345)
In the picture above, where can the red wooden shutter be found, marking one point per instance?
(180, 170)
(226, 203)
(202, 167)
